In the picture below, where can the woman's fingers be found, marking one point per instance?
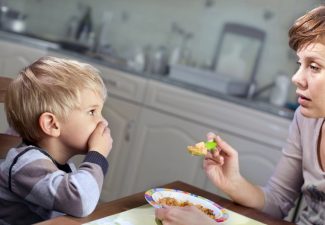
(225, 147)
(160, 213)
(214, 160)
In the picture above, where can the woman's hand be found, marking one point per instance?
(221, 165)
(189, 215)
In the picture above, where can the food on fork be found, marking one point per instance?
(202, 148)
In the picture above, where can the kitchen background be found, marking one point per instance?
(187, 31)
(141, 47)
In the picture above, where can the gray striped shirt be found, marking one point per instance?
(33, 187)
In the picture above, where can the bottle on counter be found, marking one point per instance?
(280, 90)
(85, 27)
(159, 61)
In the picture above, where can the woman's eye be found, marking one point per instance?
(92, 112)
(314, 68)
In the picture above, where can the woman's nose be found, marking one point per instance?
(298, 79)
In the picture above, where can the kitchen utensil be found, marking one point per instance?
(14, 21)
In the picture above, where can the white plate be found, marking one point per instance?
(154, 195)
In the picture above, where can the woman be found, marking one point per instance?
(301, 169)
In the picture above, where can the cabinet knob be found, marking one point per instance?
(128, 130)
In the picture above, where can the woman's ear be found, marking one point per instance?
(49, 124)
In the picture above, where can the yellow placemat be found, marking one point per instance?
(145, 215)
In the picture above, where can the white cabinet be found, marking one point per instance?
(122, 110)
(159, 154)
(122, 117)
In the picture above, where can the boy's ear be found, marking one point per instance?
(49, 124)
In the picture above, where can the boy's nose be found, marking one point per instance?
(105, 121)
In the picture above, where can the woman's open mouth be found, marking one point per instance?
(302, 100)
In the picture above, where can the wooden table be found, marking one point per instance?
(136, 200)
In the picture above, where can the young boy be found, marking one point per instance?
(55, 105)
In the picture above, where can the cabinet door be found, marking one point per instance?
(122, 117)
(159, 153)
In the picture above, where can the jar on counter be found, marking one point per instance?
(280, 90)
(159, 61)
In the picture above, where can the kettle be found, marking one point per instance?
(14, 21)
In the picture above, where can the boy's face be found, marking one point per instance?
(81, 122)
(310, 80)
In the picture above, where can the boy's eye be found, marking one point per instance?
(92, 112)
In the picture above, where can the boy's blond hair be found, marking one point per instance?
(52, 85)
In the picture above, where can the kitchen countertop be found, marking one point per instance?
(55, 45)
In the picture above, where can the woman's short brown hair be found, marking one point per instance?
(310, 28)
(49, 84)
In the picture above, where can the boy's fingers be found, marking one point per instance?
(102, 128)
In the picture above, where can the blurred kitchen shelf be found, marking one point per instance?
(209, 79)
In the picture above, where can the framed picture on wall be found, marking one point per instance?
(238, 52)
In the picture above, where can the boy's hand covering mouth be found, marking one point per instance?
(202, 148)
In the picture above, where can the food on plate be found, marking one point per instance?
(202, 148)
(174, 202)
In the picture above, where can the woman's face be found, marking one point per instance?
(310, 80)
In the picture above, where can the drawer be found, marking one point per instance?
(119, 84)
(123, 85)
(225, 116)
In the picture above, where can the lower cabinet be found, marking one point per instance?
(122, 118)
(159, 155)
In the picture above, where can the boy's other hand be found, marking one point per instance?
(100, 140)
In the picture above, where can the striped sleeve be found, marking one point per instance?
(38, 180)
